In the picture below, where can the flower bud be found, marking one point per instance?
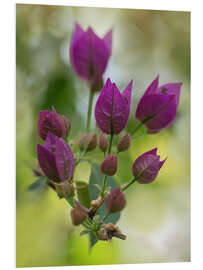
(124, 143)
(92, 142)
(78, 214)
(66, 123)
(87, 142)
(103, 143)
(115, 201)
(83, 142)
(109, 165)
(147, 166)
(51, 121)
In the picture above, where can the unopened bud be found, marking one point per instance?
(103, 143)
(66, 123)
(109, 165)
(92, 142)
(124, 143)
(115, 201)
(88, 142)
(78, 214)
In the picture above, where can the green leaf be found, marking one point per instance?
(96, 178)
(83, 193)
(92, 240)
(84, 232)
(96, 219)
(39, 185)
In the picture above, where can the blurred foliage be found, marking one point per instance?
(157, 217)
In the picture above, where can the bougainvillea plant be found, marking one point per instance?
(96, 205)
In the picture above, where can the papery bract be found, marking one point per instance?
(147, 166)
(115, 201)
(89, 55)
(56, 158)
(53, 122)
(158, 106)
(78, 214)
(113, 108)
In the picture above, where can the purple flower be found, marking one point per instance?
(158, 106)
(115, 201)
(113, 108)
(53, 122)
(147, 166)
(89, 55)
(56, 158)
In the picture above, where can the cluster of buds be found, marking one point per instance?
(157, 108)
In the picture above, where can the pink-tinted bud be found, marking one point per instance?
(103, 143)
(115, 201)
(109, 165)
(78, 214)
(88, 142)
(147, 166)
(124, 143)
(66, 123)
(92, 142)
(51, 121)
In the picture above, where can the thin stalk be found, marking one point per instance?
(105, 176)
(131, 182)
(89, 112)
(105, 217)
(137, 128)
(103, 186)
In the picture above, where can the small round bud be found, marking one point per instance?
(103, 143)
(66, 123)
(87, 142)
(115, 201)
(78, 214)
(109, 165)
(124, 143)
(92, 142)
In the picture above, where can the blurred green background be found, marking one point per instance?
(145, 43)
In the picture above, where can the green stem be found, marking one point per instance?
(89, 112)
(105, 217)
(103, 186)
(105, 176)
(110, 143)
(137, 128)
(133, 181)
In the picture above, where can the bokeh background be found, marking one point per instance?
(145, 43)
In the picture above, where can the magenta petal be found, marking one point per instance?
(153, 87)
(111, 111)
(171, 89)
(151, 152)
(50, 141)
(148, 166)
(161, 163)
(64, 159)
(127, 93)
(108, 42)
(89, 54)
(47, 162)
(162, 109)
